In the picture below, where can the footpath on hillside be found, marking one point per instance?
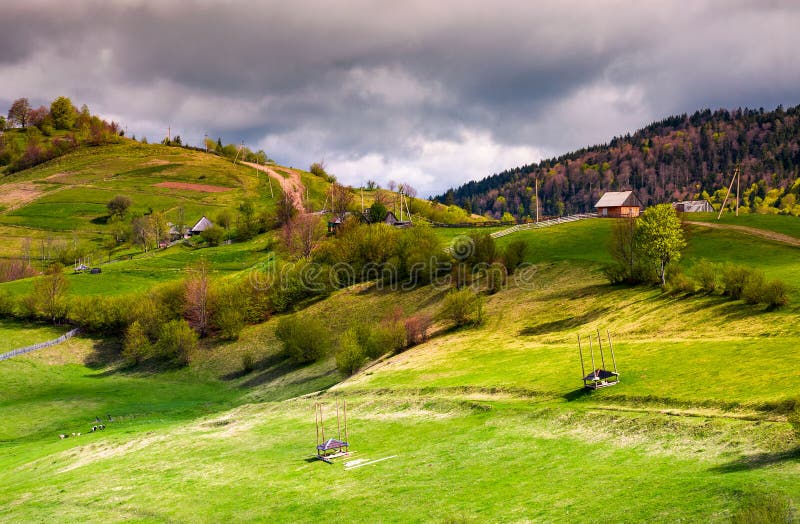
(763, 233)
(291, 185)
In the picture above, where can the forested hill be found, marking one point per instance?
(680, 157)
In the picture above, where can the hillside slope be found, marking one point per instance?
(674, 159)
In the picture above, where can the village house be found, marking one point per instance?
(619, 204)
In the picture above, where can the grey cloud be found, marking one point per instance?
(368, 79)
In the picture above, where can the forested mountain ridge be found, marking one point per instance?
(679, 157)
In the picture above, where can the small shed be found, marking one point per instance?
(693, 206)
(200, 226)
(619, 204)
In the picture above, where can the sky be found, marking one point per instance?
(428, 93)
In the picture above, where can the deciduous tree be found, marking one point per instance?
(63, 113)
(18, 113)
(659, 238)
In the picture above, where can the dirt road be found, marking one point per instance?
(291, 185)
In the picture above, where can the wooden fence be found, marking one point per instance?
(66, 336)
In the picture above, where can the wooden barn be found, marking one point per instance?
(693, 206)
(201, 226)
(619, 204)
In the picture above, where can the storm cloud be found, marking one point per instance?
(432, 93)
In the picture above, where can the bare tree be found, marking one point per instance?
(340, 198)
(303, 233)
(19, 111)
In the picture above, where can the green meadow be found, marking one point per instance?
(479, 424)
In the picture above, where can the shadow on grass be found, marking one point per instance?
(105, 352)
(578, 394)
(265, 363)
(564, 323)
(760, 460)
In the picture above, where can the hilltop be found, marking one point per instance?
(680, 157)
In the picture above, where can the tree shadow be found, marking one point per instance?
(105, 352)
(760, 460)
(564, 323)
(266, 362)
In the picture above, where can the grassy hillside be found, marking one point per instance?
(489, 421)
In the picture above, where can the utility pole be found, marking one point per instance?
(537, 200)
(738, 182)
(169, 134)
(205, 141)
(725, 201)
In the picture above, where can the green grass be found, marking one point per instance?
(15, 335)
(488, 422)
(785, 224)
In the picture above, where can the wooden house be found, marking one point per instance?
(200, 226)
(619, 204)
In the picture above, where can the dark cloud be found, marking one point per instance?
(435, 92)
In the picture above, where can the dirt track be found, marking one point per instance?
(292, 186)
(203, 188)
(763, 233)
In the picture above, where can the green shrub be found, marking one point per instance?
(137, 346)
(734, 278)
(6, 304)
(707, 275)
(176, 341)
(678, 283)
(229, 312)
(776, 294)
(615, 273)
(514, 254)
(213, 235)
(755, 286)
(462, 307)
(304, 339)
(350, 355)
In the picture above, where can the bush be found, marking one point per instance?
(417, 328)
(6, 304)
(304, 340)
(137, 346)
(177, 341)
(678, 283)
(462, 307)
(616, 273)
(229, 312)
(707, 275)
(734, 278)
(514, 254)
(776, 294)
(350, 355)
(213, 235)
(754, 287)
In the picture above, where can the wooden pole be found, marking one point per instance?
(321, 423)
(600, 343)
(580, 351)
(610, 345)
(316, 422)
(738, 182)
(537, 204)
(338, 425)
(721, 209)
(346, 438)
(591, 352)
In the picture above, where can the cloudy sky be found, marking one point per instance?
(429, 92)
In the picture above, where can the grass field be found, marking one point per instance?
(489, 422)
(15, 335)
